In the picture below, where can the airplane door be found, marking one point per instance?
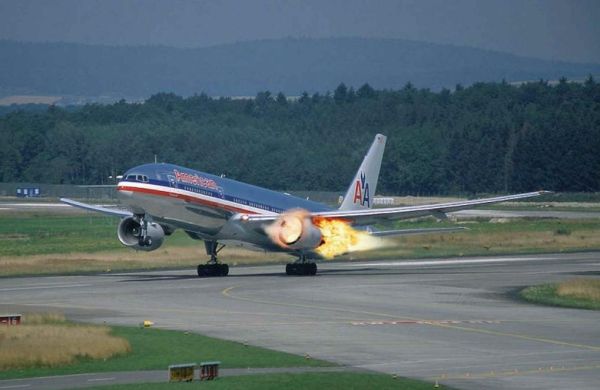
(172, 181)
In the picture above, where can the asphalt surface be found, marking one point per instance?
(451, 320)
(156, 376)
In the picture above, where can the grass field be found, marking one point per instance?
(485, 237)
(41, 244)
(51, 341)
(336, 380)
(153, 349)
(575, 293)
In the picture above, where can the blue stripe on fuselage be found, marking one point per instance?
(227, 189)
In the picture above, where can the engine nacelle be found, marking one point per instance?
(295, 230)
(129, 231)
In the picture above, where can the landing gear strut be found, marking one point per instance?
(213, 267)
(143, 238)
(301, 267)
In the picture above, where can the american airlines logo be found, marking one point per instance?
(195, 180)
(361, 191)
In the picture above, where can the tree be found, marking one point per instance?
(340, 94)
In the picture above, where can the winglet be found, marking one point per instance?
(362, 188)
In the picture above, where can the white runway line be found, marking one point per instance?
(100, 379)
(47, 287)
(448, 262)
(15, 386)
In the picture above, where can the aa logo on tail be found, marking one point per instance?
(361, 191)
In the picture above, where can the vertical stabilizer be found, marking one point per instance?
(362, 188)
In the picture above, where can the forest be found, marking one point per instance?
(485, 138)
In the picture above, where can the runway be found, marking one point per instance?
(451, 320)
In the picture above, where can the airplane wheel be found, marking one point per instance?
(223, 269)
(208, 270)
(301, 269)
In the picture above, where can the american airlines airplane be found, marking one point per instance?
(160, 198)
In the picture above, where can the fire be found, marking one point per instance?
(339, 238)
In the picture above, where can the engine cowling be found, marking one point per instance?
(295, 230)
(129, 234)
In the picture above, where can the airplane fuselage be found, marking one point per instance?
(201, 203)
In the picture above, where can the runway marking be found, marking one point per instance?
(424, 322)
(519, 336)
(515, 372)
(448, 262)
(47, 286)
(100, 379)
(227, 292)
(14, 386)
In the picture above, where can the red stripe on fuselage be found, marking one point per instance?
(188, 198)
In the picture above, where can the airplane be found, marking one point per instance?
(159, 198)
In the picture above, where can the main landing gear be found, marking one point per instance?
(213, 267)
(301, 267)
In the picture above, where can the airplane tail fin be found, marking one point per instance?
(363, 186)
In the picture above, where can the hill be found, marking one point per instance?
(288, 65)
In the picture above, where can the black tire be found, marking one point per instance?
(301, 269)
(208, 270)
(223, 269)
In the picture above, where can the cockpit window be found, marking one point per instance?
(140, 178)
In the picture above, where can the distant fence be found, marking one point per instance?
(57, 191)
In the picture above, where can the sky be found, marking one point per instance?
(566, 30)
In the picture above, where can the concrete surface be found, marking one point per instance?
(453, 320)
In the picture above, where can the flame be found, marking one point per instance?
(339, 238)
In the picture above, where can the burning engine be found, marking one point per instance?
(131, 234)
(296, 230)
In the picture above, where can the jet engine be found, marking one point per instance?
(295, 230)
(131, 234)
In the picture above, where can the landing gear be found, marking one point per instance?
(205, 270)
(213, 267)
(301, 267)
(143, 238)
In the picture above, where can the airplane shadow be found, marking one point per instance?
(363, 271)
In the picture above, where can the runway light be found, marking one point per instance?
(339, 238)
(147, 323)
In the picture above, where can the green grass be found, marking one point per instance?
(546, 294)
(52, 244)
(154, 349)
(336, 380)
(484, 238)
(38, 234)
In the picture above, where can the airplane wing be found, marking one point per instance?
(99, 209)
(371, 216)
(406, 232)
